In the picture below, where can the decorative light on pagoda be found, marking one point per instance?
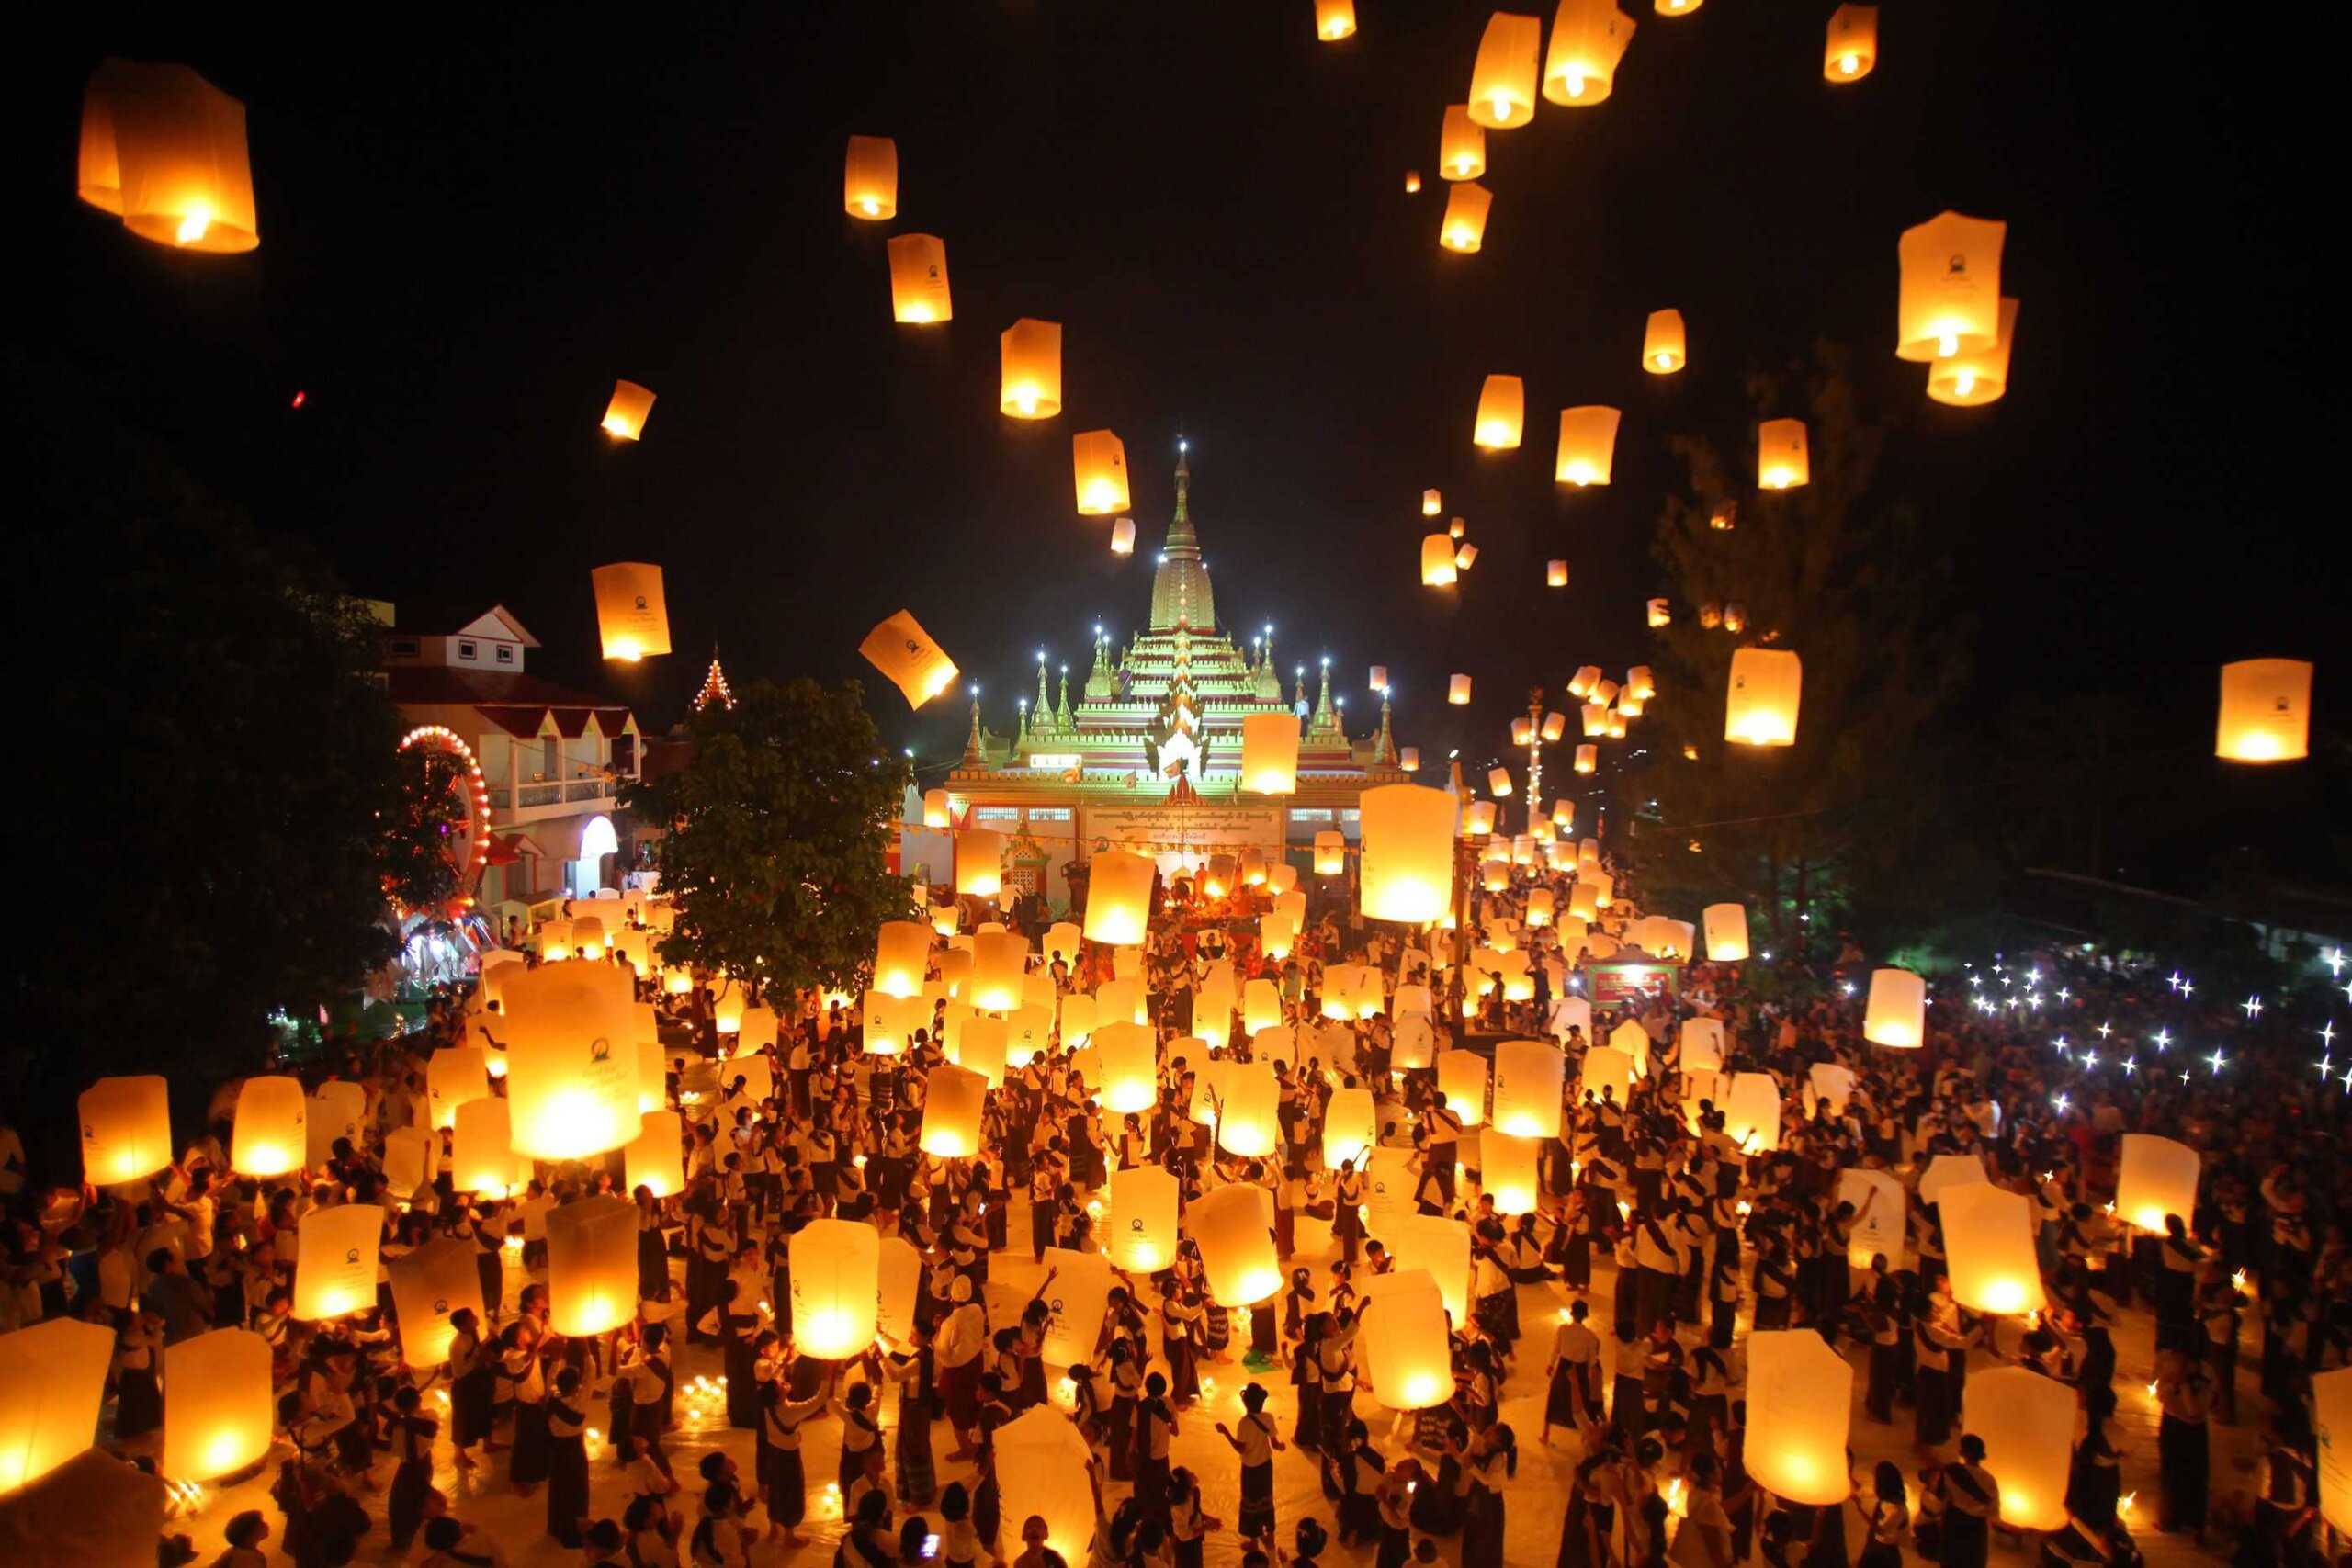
(870, 178)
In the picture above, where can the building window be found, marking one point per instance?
(1351, 814)
(996, 814)
(465, 650)
(405, 648)
(550, 757)
(1050, 814)
(506, 653)
(1310, 814)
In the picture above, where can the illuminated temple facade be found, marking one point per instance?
(1149, 754)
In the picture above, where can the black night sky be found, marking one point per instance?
(470, 227)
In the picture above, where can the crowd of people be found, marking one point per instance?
(1657, 1243)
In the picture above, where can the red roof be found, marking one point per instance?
(515, 703)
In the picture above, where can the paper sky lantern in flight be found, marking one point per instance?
(1800, 1402)
(571, 1062)
(1556, 574)
(1588, 38)
(1142, 1221)
(1433, 502)
(1502, 413)
(870, 178)
(1502, 79)
(1951, 297)
(164, 150)
(1031, 354)
(1461, 147)
(1130, 1061)
(951, 1112)
(1540, 905)
(632, 617)
(1760, 707)
(1678, 7)
(906, 654)
(979, 863)
(454, 1076)
(1529, 1078)
(835, 1268)
(1726, 928)
(1457, 690)
(1454, 527)
(1588, 758)
(1781, 459)
(1334, 19)
(1437, 561)
(334, 1266)
(1123, 536)
(592, 1265)
(919, 294)
(1466, 557)
(1409, 759)
(1412, 182)
(2158, 1179)
(1853, 48)
(1588, 445)
(901, 953)
(1406, 1341)
(126, 1129)
(428, 1284)
(625, 415)
(2027, 1423)
(269, 1137)
(1098, 460)
(1966, 380)
(1463, 227)
(1276, 935)
(1407, 861)
(218, 1413)
(53, 1382)
(1896, 1014)
(1269, 753)
(1236, 1249)
(1041, 1466)
(2265, 712)
(1988, 1246)
(1663, 345)
(1499, 782)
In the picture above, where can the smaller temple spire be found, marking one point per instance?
(1384, 748)
(1299, 692)
(714, 685)
(974, 753)
(1045, 708)
(1062, 721)
(1324, 717)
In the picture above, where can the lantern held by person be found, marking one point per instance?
(218, 1413)
(2158, 1179)
(1143, 1219)
(654, 1159)
(902, 954)
(125, 1130)
(1528, 1076)
(53, 1383)
(951, 1112)
(1041, 1470)
(334, 1267)
(1508, 1170)
(592, 1265)
(1988, 1246)
(1896, 1014)
(1406, 1341)
(2027, 1423)
(836, 1273)
(1236, 1248)
(571, 1062)
(1800, 1402)
(428, 1284)
(269, 1139)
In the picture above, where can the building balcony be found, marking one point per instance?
(514, 806)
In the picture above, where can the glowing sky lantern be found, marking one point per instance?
(1853, 46)
(1407, 864)
(1586, 759)
(1641, 682)
(1760, 706)
(1030, 353)
(1438, 570)
(2158, 1179)
(1988, 1246)
(632, 616)
(1502, 413)
(1040, 1464)
(1142, 1219)
(482, 1148)
(2331, 1413)
(1462, 1079)
(429, 1283)
(1262, 1006)
(1440, 1245)
(870, 178)
(919, 293)
(126, 1129)
(1236, 1249)
(1409, 759)
(907, 657)
(1499, 782)
(655, 1158)
(1334, 19)
(1463, 228)
(1350, 1125)
(218, 1415)
(164, 150)
(1457, 690)
(1502, 79)
(1539, 907)
(1588, 445)
(1800, 1400)
(1881, 1211)
(1461, 149)
(1951, 297)
(269, 1137)
(951, 1112)
(1000, 959)
(979, 863)
(1433, 502)
(1752, 1112)
(334, 1266)
(1465, 556)
(1727, 930)
(1123, 536)
(1405, 1340)
(2266, 713)
(2027, 1423)
(412, 1157)
(1588, 38)
(335, 1112)
(901, 953)
(1700, 1042)
(1275, 935)
(1269, 753)
(1781, 459)
(571, 1062)
(1246, 1125)
(1123, 998)
(1897, 1011)
(1555, 575)
(1529, 1078)
(625, 415)
(1608, 1069)
(53, 1383)
(835, 1268)
(1678, 7)
(1130, 1061)
(454, 1076)
(1664, 349)
(1508, 1170)
(592, 1265)
(1966, 380)
(1098, 462)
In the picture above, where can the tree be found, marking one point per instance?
(208, 752)
(421, 846)
(776, 838)
(1854, 821)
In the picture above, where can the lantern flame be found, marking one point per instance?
(192, 227)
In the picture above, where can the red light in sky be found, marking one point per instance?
(299, 397)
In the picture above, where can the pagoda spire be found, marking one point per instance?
(713, 686)
(974, 753)
(1384, 748)
(1324, 717)
(1061, 704)
(1045, 709)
